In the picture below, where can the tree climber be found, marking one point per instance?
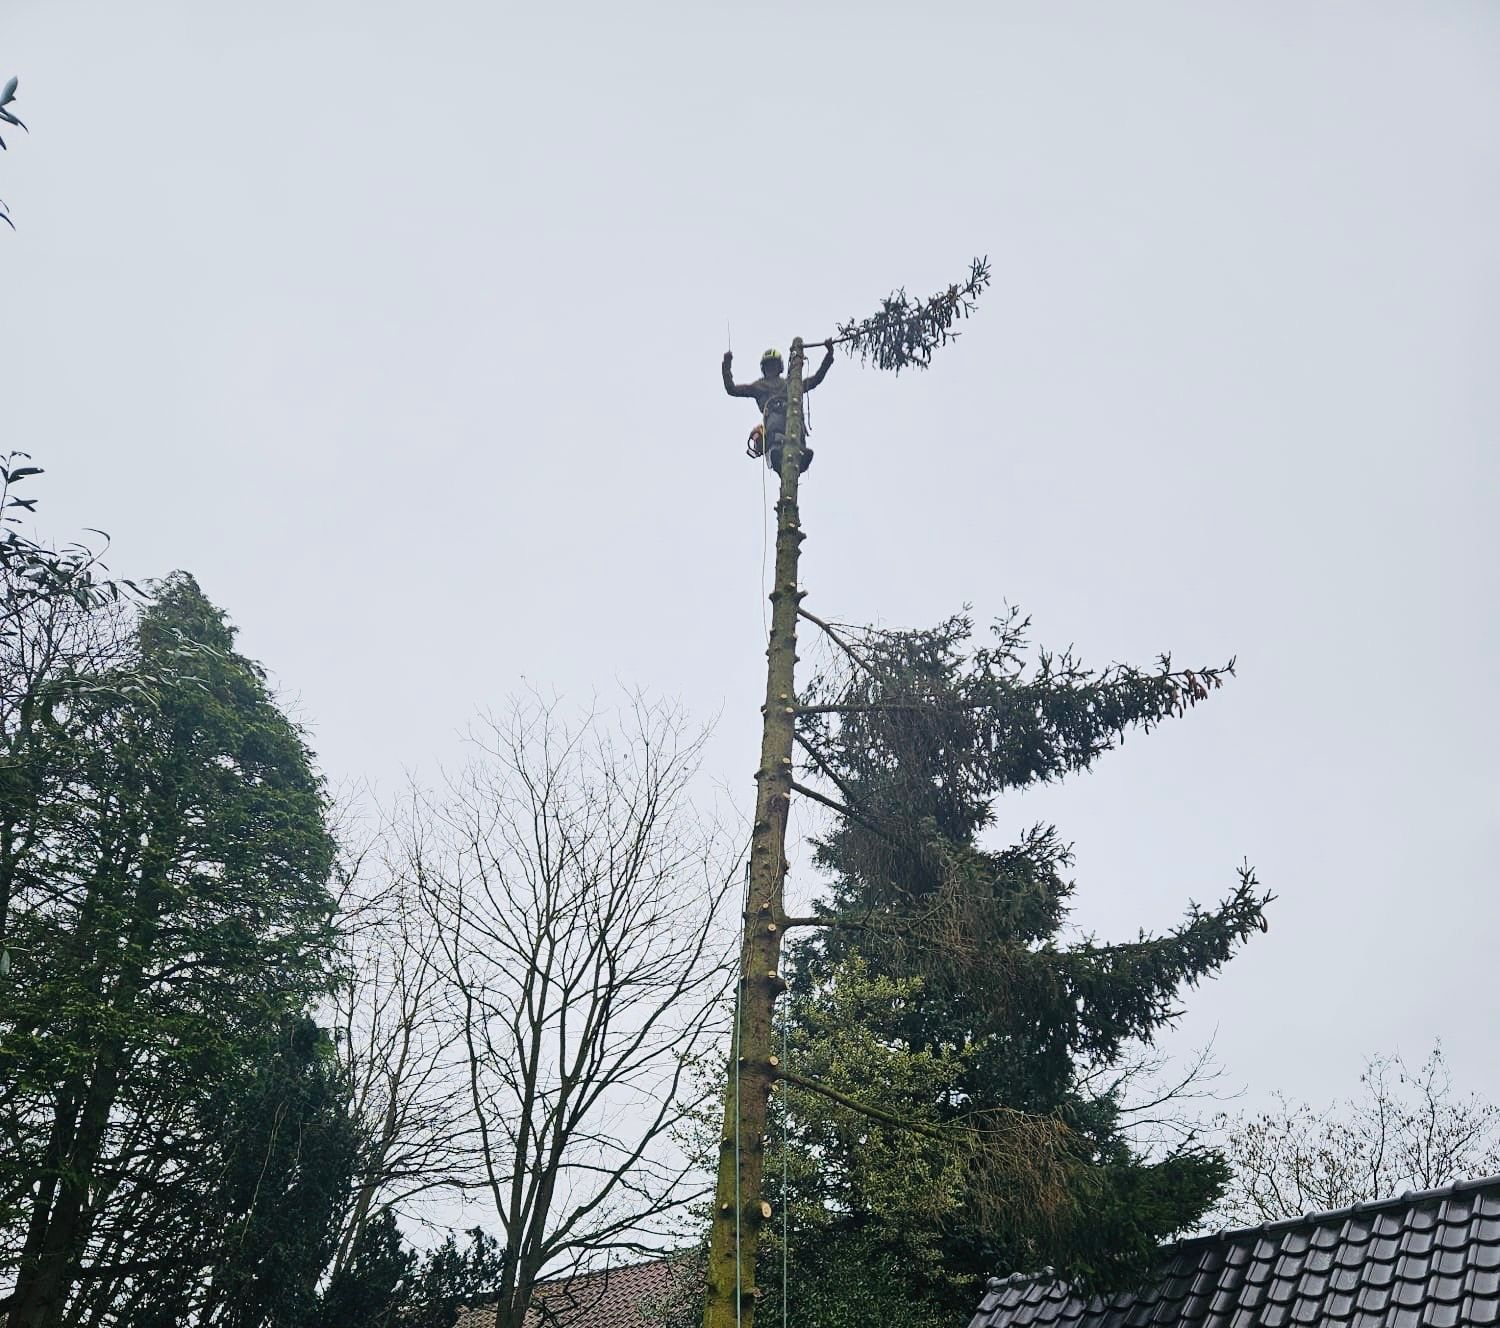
(769, 391)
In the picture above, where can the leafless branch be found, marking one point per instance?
(578, 902)
(1407, 1129)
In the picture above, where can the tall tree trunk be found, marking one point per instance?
(738, 1212)
(43, 1285)
(59, 1142)
(45, 1280)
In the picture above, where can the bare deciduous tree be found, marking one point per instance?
(1408, 1129)
(403, 1081)
(578, 903)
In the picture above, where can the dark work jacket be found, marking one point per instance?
(770, 393)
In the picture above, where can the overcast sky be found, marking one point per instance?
(399, 326)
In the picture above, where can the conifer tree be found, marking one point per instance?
(908, 751)
(169, 904)
(915, 734)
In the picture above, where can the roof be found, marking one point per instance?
(1429, 1259)
(616, 1297)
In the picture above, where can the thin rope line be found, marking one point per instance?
(739, 1288)
(765, 539)
(786, 1166)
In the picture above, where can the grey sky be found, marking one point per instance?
(399, 326)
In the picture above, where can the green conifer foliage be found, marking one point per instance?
(946, 958)
(168, 908)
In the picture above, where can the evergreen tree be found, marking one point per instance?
(168, 870)
(285, 1148)
(940, 987)
(450, 1276)
(366, 1292)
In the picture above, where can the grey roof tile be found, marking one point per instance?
(1318, 1262)
(1223, 1301)
(1481, 1311)
(1339, 1306)
(1425, 1260)
(1414, 1266)
(1311, 1287)
(1344, 1279)
(1252, 1294)
(1435, 1315)
(1409, 1294)
(1418, 1243)
(1324, 1236)
(1389, 1222)
(1483, 1281)
(1383, 1249)
(1420, 1218)
(1209, 1273)
(1444, 1289)
(1353, 1242)
(1449, 1261)
(1453, 1236)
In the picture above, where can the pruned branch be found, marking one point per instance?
(833, 635)
(905, 332)
(817, 797)
(924, 1128)
(814, 796)
(821, 920)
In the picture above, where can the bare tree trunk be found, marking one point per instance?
(739, 1211)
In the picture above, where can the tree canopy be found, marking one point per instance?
(168, 911)
(941, 982)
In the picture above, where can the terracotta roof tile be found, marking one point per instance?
(612, 1298)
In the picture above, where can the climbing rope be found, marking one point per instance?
(765, 540)
(786, 1164)
(739, 991)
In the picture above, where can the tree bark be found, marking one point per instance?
(738, 1215)
(59, 1231)
(43, 1287)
